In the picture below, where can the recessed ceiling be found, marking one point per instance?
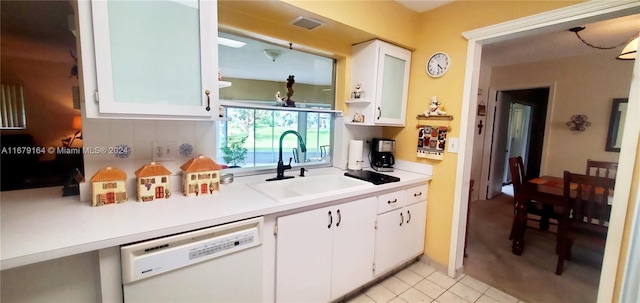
(421, 6)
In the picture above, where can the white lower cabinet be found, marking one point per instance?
(323, 254)
(400, 235)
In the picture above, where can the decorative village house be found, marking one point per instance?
(108, 186)
(201, 176)
(153, 182)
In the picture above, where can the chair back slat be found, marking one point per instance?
(516, 168)
(588, 199)
(602, 169)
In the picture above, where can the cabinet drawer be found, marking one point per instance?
(391, 201)
(416, 194)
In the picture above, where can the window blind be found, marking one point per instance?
(12, 112)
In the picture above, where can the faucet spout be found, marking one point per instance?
(303, 147)
(281, 166)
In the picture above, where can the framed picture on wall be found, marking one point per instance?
(482, 109)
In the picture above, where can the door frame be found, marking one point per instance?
(488, 135)
(555, 20)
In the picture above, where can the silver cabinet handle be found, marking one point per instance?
(401, 218)
(339, 218)
(408, 213)
(392, 201)
(207, 92)
(330, 220)
(418, 194)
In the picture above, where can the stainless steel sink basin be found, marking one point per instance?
(310, 185)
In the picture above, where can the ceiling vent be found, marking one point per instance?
(306, 23)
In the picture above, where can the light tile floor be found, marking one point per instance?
(420, 282)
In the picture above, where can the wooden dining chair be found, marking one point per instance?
(602, 169)
(544, 212)
(586, 214)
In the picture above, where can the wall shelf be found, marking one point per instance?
(355, 101)
(440, 117)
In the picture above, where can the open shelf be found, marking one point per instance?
(356, 101)
(440, 117)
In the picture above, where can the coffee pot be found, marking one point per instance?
(382, 154)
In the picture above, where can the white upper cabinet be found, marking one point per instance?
(382, 70)
(153, 58)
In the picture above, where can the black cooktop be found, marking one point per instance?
(371, 176)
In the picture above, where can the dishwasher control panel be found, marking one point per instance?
(150, 258)
(222, 244)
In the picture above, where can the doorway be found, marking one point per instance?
(519, 122)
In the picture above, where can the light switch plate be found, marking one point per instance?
(453, 145)
(164, 151)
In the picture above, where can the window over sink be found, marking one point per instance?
(252, 103)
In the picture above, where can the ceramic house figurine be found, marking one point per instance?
(108, 186)
(153, 182)
(201, 176)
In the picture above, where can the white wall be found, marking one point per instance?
(479, 139)
(583, 85)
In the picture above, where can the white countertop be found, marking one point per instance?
(39, 225)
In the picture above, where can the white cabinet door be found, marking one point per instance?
(303, 256)
(393, 77)
(382, 69)
(156, 57)
(388, 240)
(353, 246)
(415, 218)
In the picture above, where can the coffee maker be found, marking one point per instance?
(382, 154)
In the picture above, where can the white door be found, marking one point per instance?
(353, 246)
(303, 256)
(414, 229)
(499, 145)
(389, 240)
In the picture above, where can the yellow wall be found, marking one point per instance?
(260, 90)
(437, 30)
(441, 30)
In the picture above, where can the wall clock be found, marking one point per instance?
(438, 64)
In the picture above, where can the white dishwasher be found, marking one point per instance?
(216, 264)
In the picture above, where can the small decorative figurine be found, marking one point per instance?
(279, 99)
(201, 176)
(153, 182)
(290, 82)
(357, 117)
(435, 108)
(358, 93)
(108, 186)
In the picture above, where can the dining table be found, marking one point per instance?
(549, 191)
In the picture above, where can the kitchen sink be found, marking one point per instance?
(309, 185)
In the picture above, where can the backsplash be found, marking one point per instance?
(128, 144)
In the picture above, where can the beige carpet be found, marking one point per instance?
(530, 277)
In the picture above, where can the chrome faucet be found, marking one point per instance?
(281, 167)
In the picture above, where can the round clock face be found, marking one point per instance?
(438, 64)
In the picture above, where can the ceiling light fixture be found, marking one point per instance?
(578, 29)
(630, 50)
(272, 54)
(230, 42)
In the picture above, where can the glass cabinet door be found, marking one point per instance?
(156, 57)
(392, 81)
